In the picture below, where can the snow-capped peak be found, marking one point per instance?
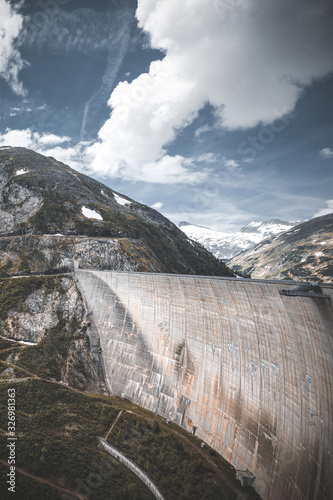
(268, 227)
(227, 245)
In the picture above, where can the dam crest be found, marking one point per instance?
(247, 369)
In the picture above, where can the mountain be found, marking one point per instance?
(50, 382)
(303, 252)
(227, 245)
(269, 227)
(50, 214)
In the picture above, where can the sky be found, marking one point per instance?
(215, 112)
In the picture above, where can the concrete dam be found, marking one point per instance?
(247, 369)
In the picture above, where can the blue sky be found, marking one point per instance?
(217, 112)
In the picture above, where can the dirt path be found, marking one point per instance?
(31, 375)
(112, 426)
(15, 380)
(45, 481)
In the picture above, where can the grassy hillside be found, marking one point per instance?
(57, 429)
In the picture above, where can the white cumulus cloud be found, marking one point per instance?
(207, 158)
(51, 139)
(325, 211)
(232, 164)
(11, 61)
(48, 145)
(250, 59)
(326, 153)
(157, 206)
(203, 130)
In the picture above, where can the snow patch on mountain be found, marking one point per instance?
(227, 245)
(21, 172)
(120, 200)
(91, 214)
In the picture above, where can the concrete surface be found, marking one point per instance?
(249, 370)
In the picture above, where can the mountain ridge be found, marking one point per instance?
(303, 252)
(41, 197)
(227, 245)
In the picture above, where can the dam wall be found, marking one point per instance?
(248, 370)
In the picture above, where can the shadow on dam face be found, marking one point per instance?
(251, 370)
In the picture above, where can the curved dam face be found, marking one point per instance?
(246, 369)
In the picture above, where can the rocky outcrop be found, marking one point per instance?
(49, 315)
(80, 370)
(17, 204)
(43, 310)
(38, 254)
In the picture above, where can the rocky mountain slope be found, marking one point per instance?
(50, 214)
(303, 252)
(227, 245)
(45, 320)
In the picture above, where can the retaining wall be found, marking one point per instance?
(133, 467)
